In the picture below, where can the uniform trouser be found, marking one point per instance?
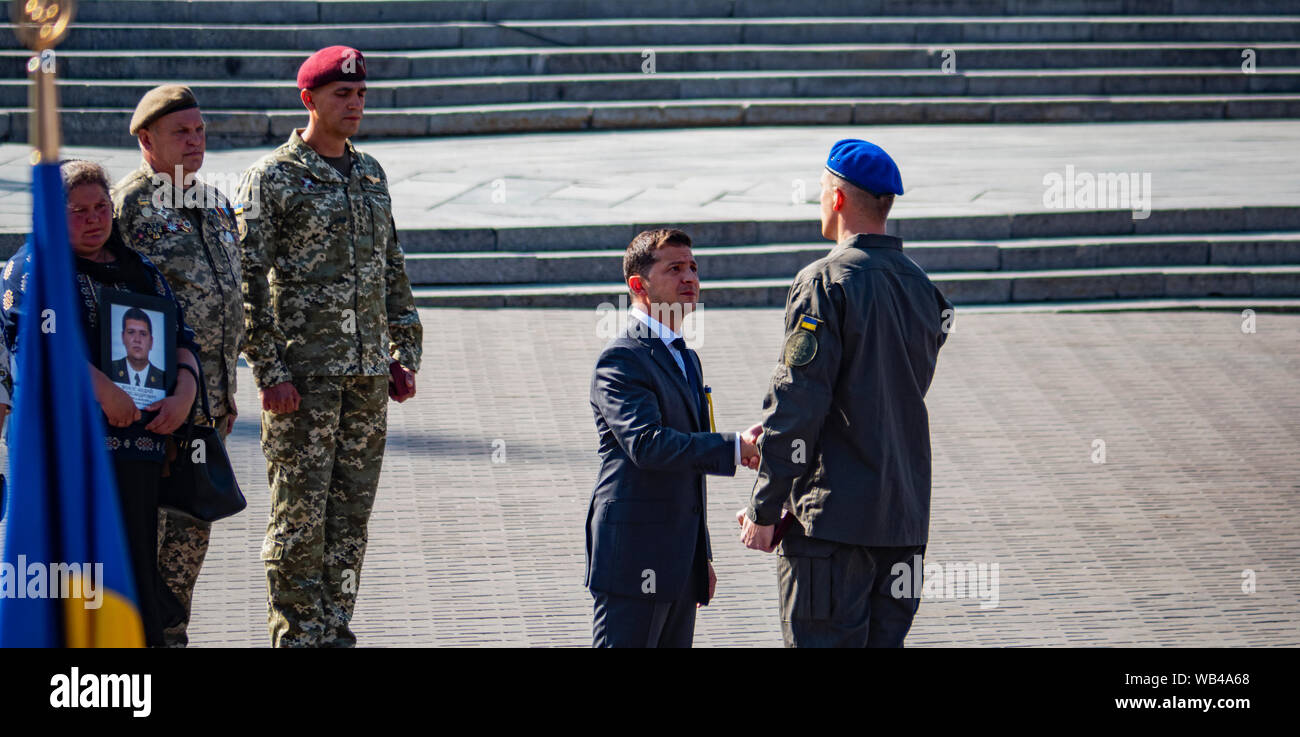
(837, 595)
(323, 464)
(182, 546)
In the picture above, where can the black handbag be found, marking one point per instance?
(201, 482)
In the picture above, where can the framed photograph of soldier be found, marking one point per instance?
(139, 332)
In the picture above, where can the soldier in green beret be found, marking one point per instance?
(187, 228)
(333, 333)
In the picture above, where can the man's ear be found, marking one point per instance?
(636, 284)
(305, 96)
(146, 139)
(837, 199)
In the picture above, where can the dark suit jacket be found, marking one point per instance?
(647, 511)
(154, 379)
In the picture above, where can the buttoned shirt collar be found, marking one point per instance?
(658, 329)
(664, 333)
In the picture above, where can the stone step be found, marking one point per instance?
(819, 84)
(1056, 228)
(253, 38)
(785, 259)
(234, 128)
(336, 11)
(963, 288)
(1063, 228)
(1223, 304)
(522, 62)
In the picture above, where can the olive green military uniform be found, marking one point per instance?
(327, 306)
(193, 238)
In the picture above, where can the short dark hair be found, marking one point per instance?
(135, 313)
(640, 256)
(878, 205)
(76, 172)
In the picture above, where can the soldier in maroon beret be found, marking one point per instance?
(332, 335)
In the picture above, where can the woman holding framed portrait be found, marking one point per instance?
(143, 364)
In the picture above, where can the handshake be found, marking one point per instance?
(749, 447)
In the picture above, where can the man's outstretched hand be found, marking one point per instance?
(749, 455)
(755, 536)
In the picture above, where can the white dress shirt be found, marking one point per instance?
(668, 335)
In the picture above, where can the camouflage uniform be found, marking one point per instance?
(202, 266)
(327, 306)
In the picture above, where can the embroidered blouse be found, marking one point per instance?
(130, 272)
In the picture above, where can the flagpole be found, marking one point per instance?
(40, 25)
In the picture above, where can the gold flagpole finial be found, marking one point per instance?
(40, 25)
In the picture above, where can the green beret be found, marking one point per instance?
(160, 101)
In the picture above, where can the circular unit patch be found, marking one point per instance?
(800, 348)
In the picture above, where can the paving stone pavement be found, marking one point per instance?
(712, 174)
(1201, 481)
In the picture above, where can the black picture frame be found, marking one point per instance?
(110, 338)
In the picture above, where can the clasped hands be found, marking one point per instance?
(749, 447)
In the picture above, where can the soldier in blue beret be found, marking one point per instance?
(844, 469)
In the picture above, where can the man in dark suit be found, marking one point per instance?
(648, 556)
(134, 368)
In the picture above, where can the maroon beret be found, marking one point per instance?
(332, 64)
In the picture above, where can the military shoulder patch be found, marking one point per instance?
(800, 348)
(807, 322)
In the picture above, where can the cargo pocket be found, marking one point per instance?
(805, 578)
(272, 549)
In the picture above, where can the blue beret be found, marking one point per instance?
(866, 165)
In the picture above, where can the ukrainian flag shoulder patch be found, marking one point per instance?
(809, 323)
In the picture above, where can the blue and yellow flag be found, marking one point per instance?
(65, 578)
